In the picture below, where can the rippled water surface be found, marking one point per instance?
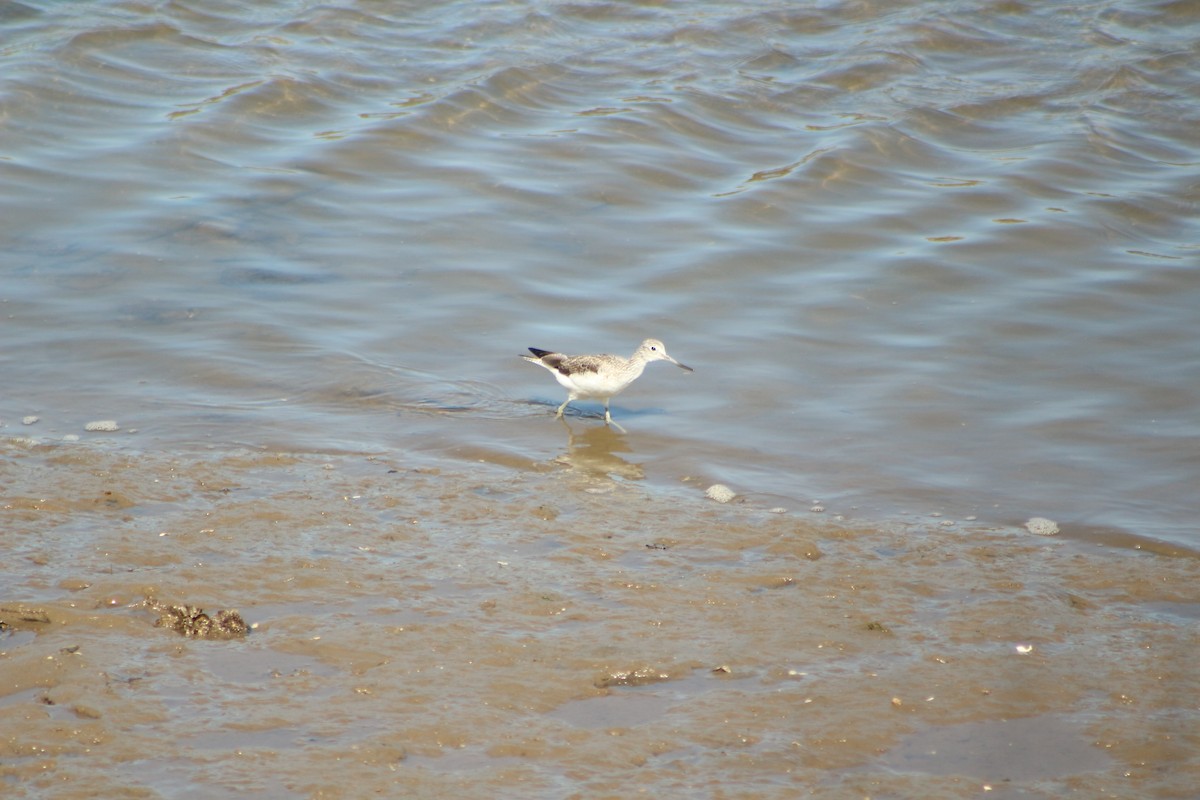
(933, 261)
(924, 256)
(930, 256)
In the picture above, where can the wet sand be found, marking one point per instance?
(498, 628)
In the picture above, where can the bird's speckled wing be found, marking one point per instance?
(574, 365)
(563, 364)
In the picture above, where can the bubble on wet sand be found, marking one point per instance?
(105, 425)
(720, 492)
(1041, 526)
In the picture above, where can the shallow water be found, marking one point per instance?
(935, 265)
(925, 257)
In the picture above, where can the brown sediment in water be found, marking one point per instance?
(512, 631)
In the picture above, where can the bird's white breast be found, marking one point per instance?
(596, 384)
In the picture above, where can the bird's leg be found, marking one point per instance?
(560, 408)
(609, 420)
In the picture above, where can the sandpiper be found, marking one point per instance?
(599, 377)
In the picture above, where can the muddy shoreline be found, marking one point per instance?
(533, 631)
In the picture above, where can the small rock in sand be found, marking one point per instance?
(1042, 526)
(719, 492)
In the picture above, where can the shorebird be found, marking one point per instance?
(599, 377)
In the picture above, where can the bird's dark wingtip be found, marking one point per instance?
(540, 353)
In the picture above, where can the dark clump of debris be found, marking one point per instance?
(192, 622)
(20, 617)
(632, 677)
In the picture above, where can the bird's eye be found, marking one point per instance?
(655, 349)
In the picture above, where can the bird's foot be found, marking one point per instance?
(608, 420)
